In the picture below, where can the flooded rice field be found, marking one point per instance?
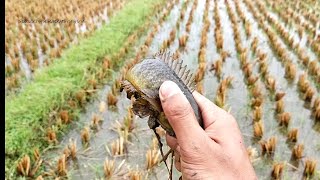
(259, 60)
(31, 43)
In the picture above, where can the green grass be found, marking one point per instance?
(26, 113)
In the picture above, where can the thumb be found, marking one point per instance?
(179, 112)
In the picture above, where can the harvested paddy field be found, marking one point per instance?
(65, 116)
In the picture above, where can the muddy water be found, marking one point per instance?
(24, 65)
(210, 81)
(190, 55)
(164, 31)
(302, 43)
(90, 160)
(263, 166)
(294, 105)
(237, 95)
(293, 31)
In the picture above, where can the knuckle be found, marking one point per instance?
(172, 142)
(232, 120)
(208, 112)
(178, 166)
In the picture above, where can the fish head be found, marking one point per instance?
(142, 82)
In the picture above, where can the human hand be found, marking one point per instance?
(217, 152)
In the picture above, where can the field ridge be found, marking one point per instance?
(52, 85)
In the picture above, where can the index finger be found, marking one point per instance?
(209, 111)
(224, 129)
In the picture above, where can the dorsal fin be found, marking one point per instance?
(176, 65)
(182, 70)
(185, 75)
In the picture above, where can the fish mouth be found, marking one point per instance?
(139, 95)
(130, 89)
(144, 106)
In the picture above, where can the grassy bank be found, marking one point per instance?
(27, 112)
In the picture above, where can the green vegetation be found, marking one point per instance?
(27, 112)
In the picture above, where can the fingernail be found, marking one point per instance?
(168, 89)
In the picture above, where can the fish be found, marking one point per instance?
(143, 81)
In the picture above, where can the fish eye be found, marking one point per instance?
(136, 95)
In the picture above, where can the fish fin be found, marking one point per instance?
(191, 83)
(127, 86)
(177, 66)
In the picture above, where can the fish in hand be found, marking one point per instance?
(143, 81)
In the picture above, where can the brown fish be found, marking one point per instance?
(144, 80)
